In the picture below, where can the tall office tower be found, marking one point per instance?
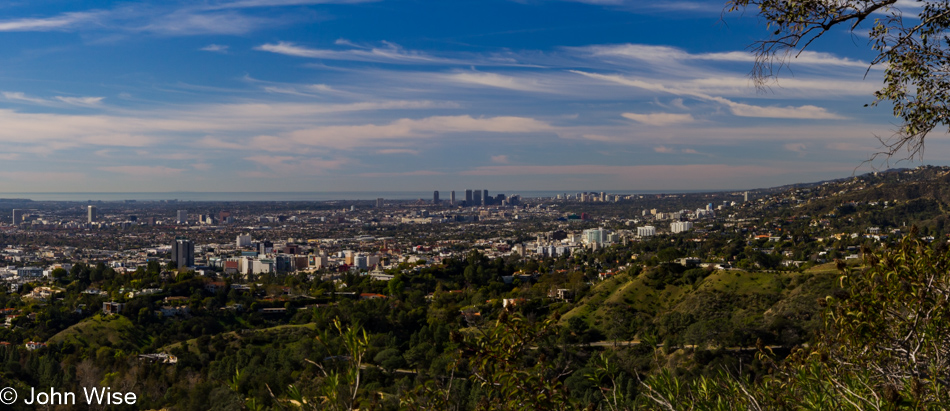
(182, 216)
(183, 253)
(92, 214)
(468, 197)
(17, 216)
(476, 197)
(746, 196)
(453, 197)
(435, 197)
(379, 202)
(486, 200)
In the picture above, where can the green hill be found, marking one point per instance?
(724, 308)
(254, 336)
(114, 331)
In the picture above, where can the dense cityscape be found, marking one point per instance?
(172, 291)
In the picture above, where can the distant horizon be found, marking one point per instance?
(212, 196)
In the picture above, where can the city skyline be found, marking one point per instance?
(363, 95)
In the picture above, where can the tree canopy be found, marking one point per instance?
(910, 38)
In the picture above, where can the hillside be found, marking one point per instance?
(725, 308)
(115, 331)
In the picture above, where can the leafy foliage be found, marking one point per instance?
(913, 49)
(884, 345)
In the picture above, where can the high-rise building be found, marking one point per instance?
(265, 247)
(486, 200)
(681, 226)
(468, 197)
(476, 197)
(182, 217)
(243, 240)
(17, 216)
(745, 197)
(435, 197)
(183, 253)
(92, 214)
(594, 236)
(452, 198)
(379, 202)
(646, 231)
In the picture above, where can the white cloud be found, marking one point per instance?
(660, 119)
(495, 80)
(738, 109)
(187, 22)
(666, 55)
(397, 132)
(281, 166)
(165, 18)
(215, 48)
(805, 112)
(500, 159)
(664, 150)
(277, 3)
(389, 53)
(80, 101)
(57, 101)
(61, 22)
(18, 96)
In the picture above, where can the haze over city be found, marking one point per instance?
(350, 95)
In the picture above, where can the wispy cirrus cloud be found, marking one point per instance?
(80, 101)
(666, 55)
(215, 48)
(63, 21)
(637, 5)
(241, 4)
(391, 53)
(660, 119)
(388, 53)
(167, 18)
(737, 109)
(397, 132)
(57, 101)
(496, 80)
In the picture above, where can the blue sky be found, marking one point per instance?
(351, 95)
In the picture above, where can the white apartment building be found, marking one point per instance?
(681, 226)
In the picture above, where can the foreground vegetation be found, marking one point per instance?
(660, 337)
